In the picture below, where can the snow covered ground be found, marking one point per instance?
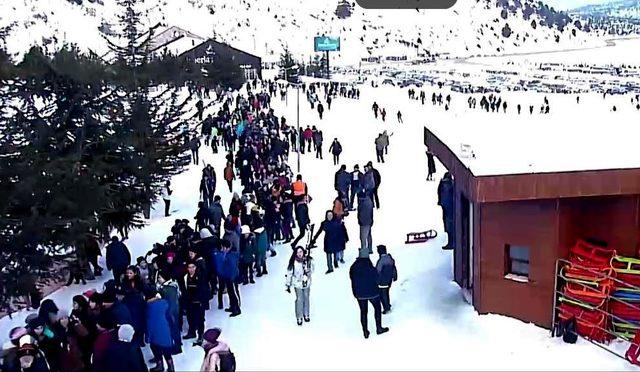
(431, 327)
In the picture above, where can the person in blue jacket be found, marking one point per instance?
(335, 240)
(158, 332)
(227, 261)
(118, 258)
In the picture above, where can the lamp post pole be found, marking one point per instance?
(298, 121)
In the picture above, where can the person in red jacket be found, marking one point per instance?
(308, 136)
(104, 342)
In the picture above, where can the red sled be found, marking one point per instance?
(420, 237)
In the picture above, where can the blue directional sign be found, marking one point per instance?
(326, 44)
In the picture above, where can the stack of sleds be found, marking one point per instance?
(625, 300)
(588, 285)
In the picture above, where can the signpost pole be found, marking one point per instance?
(327, 57)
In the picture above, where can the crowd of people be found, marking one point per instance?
(151, 303)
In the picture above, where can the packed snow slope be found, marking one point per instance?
(265, 27)
(431, 327)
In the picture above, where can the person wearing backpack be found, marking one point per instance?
(335, 149)
(218, 357)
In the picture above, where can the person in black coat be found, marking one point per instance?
(364, 284)
(335, 239)
(196, 299)
(335, 149)
(445, 200)
(124, 355)
(302, 217)
(118, 258)
(377, 180)
(357, 179)
(431, 166)
(342, 182)
(134, 301)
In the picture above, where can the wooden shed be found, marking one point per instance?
(511, 228)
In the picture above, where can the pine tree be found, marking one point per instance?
(53, 153)
(154, 146)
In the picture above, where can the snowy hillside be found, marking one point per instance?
(619, 17)
(480, 27)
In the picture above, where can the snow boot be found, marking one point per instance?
(189, 336)
(159, 367)
(228, 310)
(198, 341)
(329, 271)
(307, 319)
(252, 281)
(382, 330)
(170, 366)
(235, 314)
(299, 322)
(366, 334)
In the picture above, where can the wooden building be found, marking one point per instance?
(510, 228)
(207, 51)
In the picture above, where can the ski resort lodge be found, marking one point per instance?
(522, 199)
(207, 51)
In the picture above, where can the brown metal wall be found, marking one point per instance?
(548, 227)
(532, 224)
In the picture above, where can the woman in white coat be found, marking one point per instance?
(299, 274)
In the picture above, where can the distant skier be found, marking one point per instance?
(364, 285)
(335, 149)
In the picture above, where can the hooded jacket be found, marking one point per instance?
(364, 281)
(386, 268)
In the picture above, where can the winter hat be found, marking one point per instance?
(211, 335)
(245, 229)
(16, 333)
(125, 333)
(171, 254)
(89, 293)
(205, 233)
(382, 249)
(27, 346)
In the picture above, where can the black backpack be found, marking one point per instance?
(569, 330)
(227, 361)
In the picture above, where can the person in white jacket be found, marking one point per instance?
(299, 274)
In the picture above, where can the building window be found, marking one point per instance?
(516, 262)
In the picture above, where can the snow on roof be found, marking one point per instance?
(588, 136)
